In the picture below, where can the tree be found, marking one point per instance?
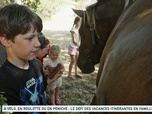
(2, 49)
(1, 3)
(2, 55)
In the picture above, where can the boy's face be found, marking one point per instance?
(24, 47)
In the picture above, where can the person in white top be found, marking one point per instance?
(54, 84)
(73, 48)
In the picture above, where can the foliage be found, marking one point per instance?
(44, 7)
(49, 7)
(8, 1)
(3, 101)
(78, 0)
(33, 4)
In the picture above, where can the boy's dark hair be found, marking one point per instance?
(43, 41)
(18, 19)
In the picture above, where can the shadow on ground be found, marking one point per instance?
(72, 92)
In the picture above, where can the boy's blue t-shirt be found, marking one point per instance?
(22, 87)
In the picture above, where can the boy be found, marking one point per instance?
(21, 76)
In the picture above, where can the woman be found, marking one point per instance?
(44, 47)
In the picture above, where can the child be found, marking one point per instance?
(44, 47)
(21, 75)
(73, 48)
(54, 85)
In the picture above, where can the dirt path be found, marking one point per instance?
(73, 92)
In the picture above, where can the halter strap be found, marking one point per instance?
(90, 13)
(91, 20)
(128, 3)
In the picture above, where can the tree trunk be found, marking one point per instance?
(2, 55)
(1, 3)
(2, 49)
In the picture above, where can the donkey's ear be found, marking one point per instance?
(80, 13)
